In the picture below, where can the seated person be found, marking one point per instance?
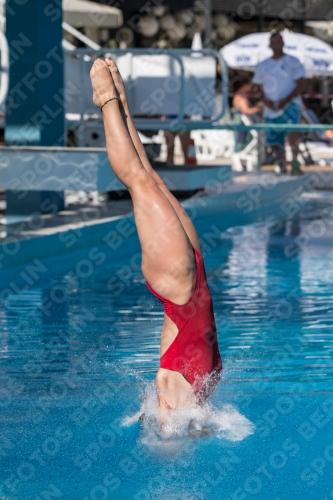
(243, 106)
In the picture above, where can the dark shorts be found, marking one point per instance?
(291, 114)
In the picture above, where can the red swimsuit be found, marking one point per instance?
(194, 353)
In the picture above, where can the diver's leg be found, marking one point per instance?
(167, 257)
(180, 211)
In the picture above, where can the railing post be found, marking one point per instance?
(82, 102)
(261, 148)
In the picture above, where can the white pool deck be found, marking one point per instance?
(84, 226)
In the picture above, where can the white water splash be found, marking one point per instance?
(172, 430)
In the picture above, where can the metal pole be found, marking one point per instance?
(260, 20)
(208, 25)
(302, 23)
(81, 127)
(261, 149)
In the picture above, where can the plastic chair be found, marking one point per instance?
(213, 144)
(248, 157)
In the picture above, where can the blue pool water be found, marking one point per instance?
(80, 344)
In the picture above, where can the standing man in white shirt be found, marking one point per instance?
(281, 80)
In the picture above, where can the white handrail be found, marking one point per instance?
(2, 21)
(80, 36)
(67, 45)
(4, 67)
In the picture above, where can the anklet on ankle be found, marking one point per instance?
(112, 98)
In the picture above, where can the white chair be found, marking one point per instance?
(213, 144)
(246, 159)
(316, 148)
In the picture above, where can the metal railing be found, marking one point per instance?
(4, 69)
(178, 123)
(199, 125)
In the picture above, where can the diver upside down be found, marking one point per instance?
(172, 262)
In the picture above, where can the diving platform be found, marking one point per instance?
(61, 169)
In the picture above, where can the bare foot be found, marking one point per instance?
(102, 83)
(118, 81)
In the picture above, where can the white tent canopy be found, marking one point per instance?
(246, 52)
(82, 13)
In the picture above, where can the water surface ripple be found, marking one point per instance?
(77, 351)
